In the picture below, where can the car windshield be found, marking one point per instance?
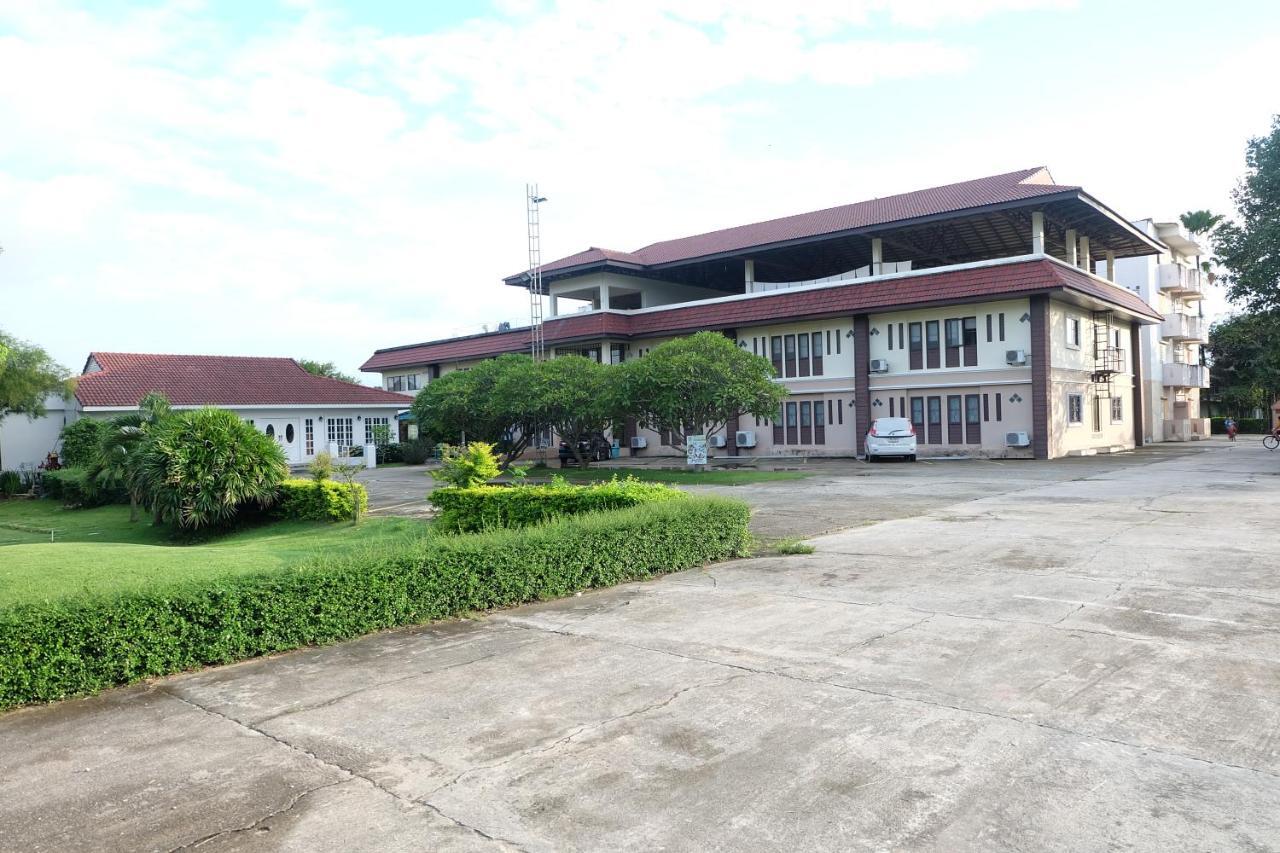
(892, 426)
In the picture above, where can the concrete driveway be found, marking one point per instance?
(1028, 657)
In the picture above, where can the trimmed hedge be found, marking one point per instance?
(52, 650)
(324, 500)
(1245, 426)
(76, 488)
(491, 507)
(81, 440)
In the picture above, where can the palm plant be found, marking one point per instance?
(1200, 221)
(121, 448)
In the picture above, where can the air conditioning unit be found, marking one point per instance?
(716, 441)
(1015, 356)
(1017, 439)
(639, 442)
(879, 365)
(744, 438)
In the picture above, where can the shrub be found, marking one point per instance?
(199, 467)
(54, 649)
(416, 452)
(81, 440)
(491, 507)
(468, 466)
(10, 483)
(390, 453)
(319, 500)
(76, 487)
(1245, 426)
(321, 468)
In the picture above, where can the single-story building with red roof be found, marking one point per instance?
(304, 413)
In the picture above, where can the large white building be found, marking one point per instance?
(1175, 376)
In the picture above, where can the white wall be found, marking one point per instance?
(27, 442)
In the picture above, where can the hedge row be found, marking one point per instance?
(64, 648)
(493, 507)
(324, 500)
(76, 488)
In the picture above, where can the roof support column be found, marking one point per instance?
(861, 380)
(1037, 232)
(749, 276)
(1085, 260)
(1111, 265)
(604, 297)
(1070, 240)
(555, 304)
(877, 256)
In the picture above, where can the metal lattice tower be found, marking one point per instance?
(537, 343)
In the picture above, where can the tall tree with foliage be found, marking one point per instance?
(1249, 250)
(327, 369)
(696, 385)
(27, 376)
(1245, 354)
(487, 403)
(573, 395)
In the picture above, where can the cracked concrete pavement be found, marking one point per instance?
(1079, 655)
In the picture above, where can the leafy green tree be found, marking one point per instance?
(572, 394)
(199, 467)
(327, 369)
(1244, 351)
(488, 403)
(1249, 251)
(27, 376)
(81, 440)
(696, 385)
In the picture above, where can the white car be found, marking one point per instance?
(891, 437)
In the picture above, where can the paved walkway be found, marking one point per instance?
(1029, 660)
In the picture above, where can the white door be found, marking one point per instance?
(287, 435)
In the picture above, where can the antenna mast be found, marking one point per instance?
(537, 344)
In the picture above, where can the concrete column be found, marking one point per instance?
(1111, 266)
(877, 256)
(861, 380)
(1041, 375)
(555, 305)
(1071, 246)
(1085, 260)
(749, 276)
(604, 297)
(1037, 232)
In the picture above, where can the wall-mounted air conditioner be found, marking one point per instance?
(879, 365)
(716, 441)
(745, 438)
(1017, 439)
(1015, 356)
(639, 442)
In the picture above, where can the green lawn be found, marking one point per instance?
(714, 477)
(100, 551)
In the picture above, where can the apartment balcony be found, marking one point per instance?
(1184, 327)
(1178, 375)
(1186, 429)
(1180, 281)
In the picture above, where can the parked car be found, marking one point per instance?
(891, 437)
(593, 446)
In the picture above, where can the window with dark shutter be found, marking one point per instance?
(789, 355)
(988, 328)
(806, 422)
(917, 418)
(955, 419)
(891, 413)
(972, 420)
(932, 345)
(986, 407)
(999, 411)
(917, 346)
(954, 339)
(819, 422)
(793, 434)
(817, 353)
(802, 349)
(840, 412)
(1000, 318)
(889, 329)
(935, 420)
(970, 332)
(779, 437)
(775, 344)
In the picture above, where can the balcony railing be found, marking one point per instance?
(1177, 375)
(1180, 281)
(1184, 327)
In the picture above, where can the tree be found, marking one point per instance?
(197, 468)
(572, 394)
(122, 442)
(27, 376)
(1249, 251)
(326, 369)
(487, 403)
(696, 385)
(1244, 351)
(1200, 222)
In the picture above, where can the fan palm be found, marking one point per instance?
(121, 450)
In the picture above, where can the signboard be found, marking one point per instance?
(696, 450)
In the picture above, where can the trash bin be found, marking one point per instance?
(614, 450)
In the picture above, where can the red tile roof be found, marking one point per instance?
(906, 291)
(218, 380)
(995, 189)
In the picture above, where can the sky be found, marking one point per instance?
(322, 179)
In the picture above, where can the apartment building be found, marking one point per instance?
(973, 309)
(1174, 376)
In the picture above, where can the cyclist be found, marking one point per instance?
(1230, 424)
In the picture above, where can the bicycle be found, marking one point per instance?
(1272, 441)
